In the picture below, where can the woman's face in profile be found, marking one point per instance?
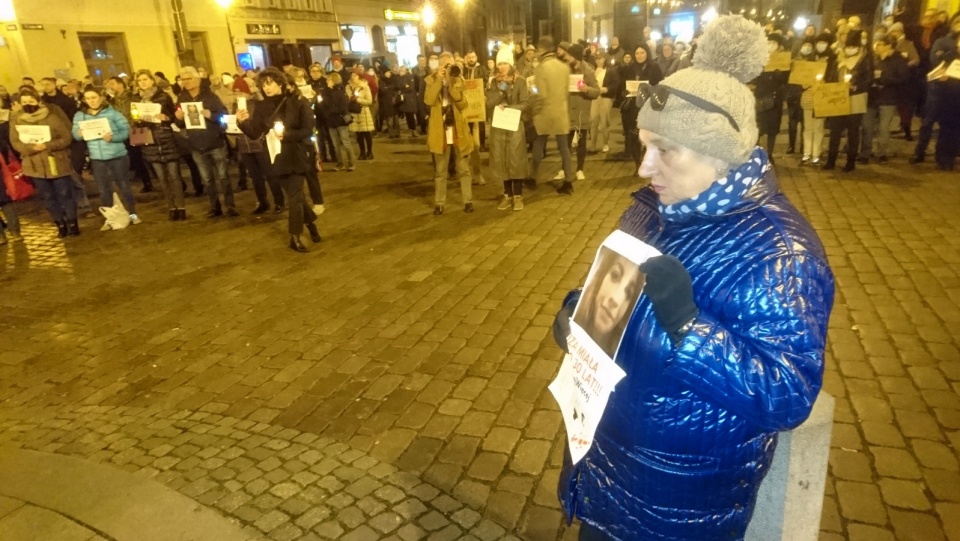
(619, 288)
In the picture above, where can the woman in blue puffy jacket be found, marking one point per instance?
(725, 347)
(108, 154)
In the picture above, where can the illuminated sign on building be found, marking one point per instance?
(264, 29)
(392, 15)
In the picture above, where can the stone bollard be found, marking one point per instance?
(791, 495)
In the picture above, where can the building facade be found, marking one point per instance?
(382, 26)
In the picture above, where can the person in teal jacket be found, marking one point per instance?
(108, 154)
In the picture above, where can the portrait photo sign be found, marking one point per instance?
(588, 373)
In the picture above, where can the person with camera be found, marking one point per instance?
(448, 131)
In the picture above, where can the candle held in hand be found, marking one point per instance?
(278, 127)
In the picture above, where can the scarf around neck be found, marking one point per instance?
(724, 194)
(41, 114)
(148, 94)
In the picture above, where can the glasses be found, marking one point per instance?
(657, 96)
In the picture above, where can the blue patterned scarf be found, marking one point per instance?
(724, 194)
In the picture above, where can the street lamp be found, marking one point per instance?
(462, 5)
(225, 4)
(428, 17)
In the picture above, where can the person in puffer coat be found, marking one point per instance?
(108, 154)
(163, 155)
(725, 347)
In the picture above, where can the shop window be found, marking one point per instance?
(379, 43)
(360, 41)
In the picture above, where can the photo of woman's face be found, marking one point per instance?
(616, 294)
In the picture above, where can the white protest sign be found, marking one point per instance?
(146, 111)
(588, 374)
(506, 118)
(573, 83)
(193, 115)
(33, 135)
(230, 121)
(94, 129)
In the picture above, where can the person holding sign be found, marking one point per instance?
(725, 347)
(285, 116)
(817, 51)
(854, 67)
(109, 160)
(162, 153)
(508, 147)
(45, 159)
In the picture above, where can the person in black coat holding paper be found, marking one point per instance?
(285, 118)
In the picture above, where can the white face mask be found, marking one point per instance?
(852, 51)
(434, 64)
(821, 47)
(806, 49)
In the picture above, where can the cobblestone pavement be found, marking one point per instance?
(392, 382)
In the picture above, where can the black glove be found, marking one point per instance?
(671, 291)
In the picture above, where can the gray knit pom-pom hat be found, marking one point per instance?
(731, 52)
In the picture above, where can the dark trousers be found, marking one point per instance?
(948, 143)
(906, 111)
(328, 150)
(930, 117)
(57, 195)
(563, 145)
(298, 210)
(256, 164)
(195, 178)
(422, 121)
(313, 180)
(139, 165)
(483, 134)
(411, 121)
(365, 142)
(581, 146)
(794, 122)
(838, 125)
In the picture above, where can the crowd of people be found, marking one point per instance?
(894, 66)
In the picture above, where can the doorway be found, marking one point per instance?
(105, 55)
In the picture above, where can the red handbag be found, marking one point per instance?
(18, 188)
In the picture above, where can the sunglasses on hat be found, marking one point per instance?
(657, 97)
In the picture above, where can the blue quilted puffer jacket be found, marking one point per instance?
(690, 432)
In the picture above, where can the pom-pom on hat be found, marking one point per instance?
(731, 52)
(505, 56)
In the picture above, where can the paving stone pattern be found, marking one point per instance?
(423, 344)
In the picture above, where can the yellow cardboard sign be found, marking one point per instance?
(779, 61)
(476, 101)
(806, 73)
(831, 99)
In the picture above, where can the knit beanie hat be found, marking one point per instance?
(731, 52)
(505, 56)
(576, 51)
(826, 37)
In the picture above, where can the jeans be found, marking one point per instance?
(108, 173)
(325, 142)
(930, 116)
(600, 122)
(876, 124)
(256, 164)
(392, 124)
(297, 208)
(213, 170)
(57, 195)
(812, 134)
(581, 146)
(168, 173)
(563, 145)
(313, 179)
(12, 218)
(440, 176)
(341, 138)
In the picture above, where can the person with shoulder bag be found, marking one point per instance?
(155, 136)
(286, 121)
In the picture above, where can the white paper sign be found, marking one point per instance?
(33, 135)
(307, 91)
(589, 374)
(4, 115)
(506, 118)
(573, 84)
(230, 121)
(241, 103)
(954, 70)
(193, 115)
(273, 145)
(94, 129)
(146, 112)
(633, 87)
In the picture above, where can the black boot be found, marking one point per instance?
(296, 244)
(314, 233)
(61, 229)
(566, 188)
(851, 164)
(831, 162)
(73, 228)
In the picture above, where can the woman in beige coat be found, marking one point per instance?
(360, 101)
